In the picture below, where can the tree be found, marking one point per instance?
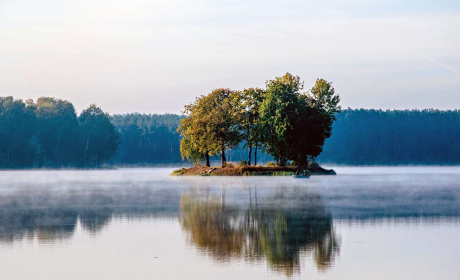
(188, 147)
(247, 104)
(147, 138)
(195, 139)
(324, 97)
(212, 124)
(296, 124)
(290, 124)
(222, 121)
(99, 136)
(57, 130)
(313, 126)
(16, 131)
(278, 112)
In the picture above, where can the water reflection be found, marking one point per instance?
(279, 225)
(51, 215)
(49, 225)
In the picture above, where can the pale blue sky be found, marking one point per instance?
(154, 56)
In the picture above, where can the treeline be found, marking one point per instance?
(146, 139)
(49, 134)
(359, 137)
(376, 137)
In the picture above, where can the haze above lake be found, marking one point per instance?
(364, 223)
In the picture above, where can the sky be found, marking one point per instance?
(155, 56)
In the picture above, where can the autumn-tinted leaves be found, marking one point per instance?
(287, 123)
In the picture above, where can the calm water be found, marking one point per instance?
(365, 223)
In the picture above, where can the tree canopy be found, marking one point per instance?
(48, 133)
(100, 138)
(286, 122)
(211, 126)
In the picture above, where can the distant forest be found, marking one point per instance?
(147, 139)
(376, 137)
(48, 133)
(359, 137)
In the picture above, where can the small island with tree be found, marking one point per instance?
(288, 124)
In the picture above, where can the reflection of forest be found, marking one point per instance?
(279, 227)
(53, 216)
(49, 225)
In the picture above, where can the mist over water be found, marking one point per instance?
(142, 223)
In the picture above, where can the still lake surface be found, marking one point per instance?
(364, 223)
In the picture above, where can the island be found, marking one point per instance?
(232, 170)
(286, 123)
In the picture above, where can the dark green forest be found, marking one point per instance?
(376, 137)
(359, 137)
(147, 138)
(49, 133)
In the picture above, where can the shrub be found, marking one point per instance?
(293, 163)
(313, 165)
(230, 165)
(243, 163)
(272, 164)
(179, 171)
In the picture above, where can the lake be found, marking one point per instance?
(364, 223)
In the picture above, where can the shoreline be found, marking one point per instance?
(248, 171)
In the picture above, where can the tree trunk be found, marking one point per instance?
(255, 155)
(249, 157)
(283, 161)
(303, 162)
(58, 142)
(224, 160)
(207, 159)
(249, 144)
(86, 150)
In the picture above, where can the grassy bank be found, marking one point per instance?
(248, 171)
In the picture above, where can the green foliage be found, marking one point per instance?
(324, 97)
(295, 124)
(287, 123)
(247, 103)
(379, 137)
(211, 124)
(147, 138)
(17, 125)
(360, 137)
(179, 172)
(272, 164)
(100, 139)
(57, 131)
(268, 173)
(278, 111)
(190, 151)
(243, 163)
(49, 134)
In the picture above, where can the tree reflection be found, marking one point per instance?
(48, 225)
(278, 227)
(53, 215)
